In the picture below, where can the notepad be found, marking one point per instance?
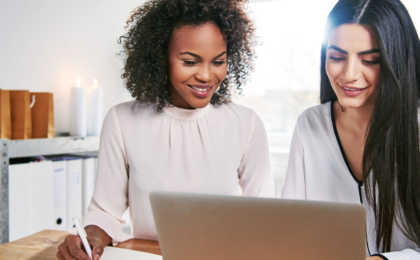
(115, 253)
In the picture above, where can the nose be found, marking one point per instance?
(204, 73)
(352, 71)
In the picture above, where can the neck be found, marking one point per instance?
(356, 119)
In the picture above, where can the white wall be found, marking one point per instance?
(46, 44)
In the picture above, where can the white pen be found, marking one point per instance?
(82, 234)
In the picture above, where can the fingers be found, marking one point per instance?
(63, 253)
(71, 249)
(96, 257)
(97, 247)
(76, 250)
(60, 256)
(98, 250)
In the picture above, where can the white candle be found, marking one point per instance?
(78, 110)
(94, 109)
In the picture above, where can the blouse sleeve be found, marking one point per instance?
(406, 254)
(294, 184)
(255, 177)
(110, 198)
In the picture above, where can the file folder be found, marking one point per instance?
(60, 195)
(74, 190)
(80, 182)
(30, 198)
(42, 196)
(20, 182)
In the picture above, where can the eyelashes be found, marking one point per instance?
(369, 62)
(193, 63)
(218, 63)
(335, 59)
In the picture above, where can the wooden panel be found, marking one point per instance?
(147, 246)
(40, 246)
(43, 246)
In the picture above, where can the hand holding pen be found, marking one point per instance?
(73, 246)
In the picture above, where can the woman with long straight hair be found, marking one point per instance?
(361, 144)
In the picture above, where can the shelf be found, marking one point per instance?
(34, 147)
(59, 145)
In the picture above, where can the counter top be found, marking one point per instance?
(43, 246)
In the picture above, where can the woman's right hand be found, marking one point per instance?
(72, 248)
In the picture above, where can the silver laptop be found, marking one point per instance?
(213, 227)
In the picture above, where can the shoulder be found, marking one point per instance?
(132, 108)
(315, 124)
(235, 111)
(235, 116)
(316, 115)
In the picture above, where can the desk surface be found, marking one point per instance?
(43, 246)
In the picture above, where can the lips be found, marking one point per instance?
(352, 88)
(201, 91)
(352, 91)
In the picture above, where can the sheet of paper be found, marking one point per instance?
(114, 253)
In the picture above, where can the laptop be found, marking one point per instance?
(213, 227)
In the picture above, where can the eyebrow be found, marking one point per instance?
(337, 49)
(198, 56)
(369, 51)
(359, 53)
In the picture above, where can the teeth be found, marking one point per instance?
(351, 89)
(199, 89)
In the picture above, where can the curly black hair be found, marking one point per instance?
(146, 43)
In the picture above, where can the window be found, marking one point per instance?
(286, 77)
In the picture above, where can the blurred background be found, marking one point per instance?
(45, 45)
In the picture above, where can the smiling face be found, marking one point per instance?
(197, 65)
(352, 65)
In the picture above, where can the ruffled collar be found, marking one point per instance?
(186, 114)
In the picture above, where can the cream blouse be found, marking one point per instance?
(318, 170)
(218, 150)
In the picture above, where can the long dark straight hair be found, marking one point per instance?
(391, 156)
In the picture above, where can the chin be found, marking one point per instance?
(347, 102)
(199, 103)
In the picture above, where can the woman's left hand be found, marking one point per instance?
(374, 258)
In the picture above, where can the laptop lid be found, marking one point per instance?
(203, 227)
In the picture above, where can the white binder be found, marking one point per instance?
(42, 196)
(60, 195)
(74, 190)
(30, 198)
(20, 182)
(88, 182)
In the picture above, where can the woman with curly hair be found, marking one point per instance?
(184, 59)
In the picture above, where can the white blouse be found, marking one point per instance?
(218, 150)
(317, 170)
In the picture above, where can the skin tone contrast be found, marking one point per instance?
(197, 65)
(353, 69)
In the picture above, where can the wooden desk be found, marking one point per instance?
(43, 246)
